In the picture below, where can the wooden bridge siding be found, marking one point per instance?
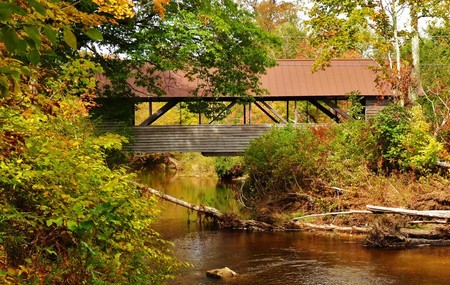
(211, 139)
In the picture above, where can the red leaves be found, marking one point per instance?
(11, 141)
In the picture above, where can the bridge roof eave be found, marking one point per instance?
(257, 98)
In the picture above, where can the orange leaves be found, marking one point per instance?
(158, 7)
(272, 15)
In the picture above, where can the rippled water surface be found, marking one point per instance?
(282, 258)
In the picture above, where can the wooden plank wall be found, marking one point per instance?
(373, 106)
(208, 139)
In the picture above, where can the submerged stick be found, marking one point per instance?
(354, 229)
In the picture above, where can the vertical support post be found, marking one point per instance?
(336, 103)
(245, 113)
(181, 113)
(250, 113)
(200, 121)
(295, 112)
(133, 114)
(150, 108)
(307, 111)
(287, 111)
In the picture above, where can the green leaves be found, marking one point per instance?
(58, 222)
(51, 34)
(38, 7)
(10, 38)
(403, 139)
(61, 188)
(69, 38)
(94, 34)
(5, 11)
(71, 225)
(34, 34)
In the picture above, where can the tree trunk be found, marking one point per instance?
(416, 88)
(397, 50)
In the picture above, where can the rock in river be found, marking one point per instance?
(221, 273)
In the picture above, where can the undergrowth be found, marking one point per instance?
(387, 161)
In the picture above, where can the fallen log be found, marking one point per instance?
(431, 234)
(224, 220)
(429, 214)
(444, 215)
(208, 211)
(405, 242)
(427, 242)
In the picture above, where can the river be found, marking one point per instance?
(285, 257)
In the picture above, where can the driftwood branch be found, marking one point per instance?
(429, 222)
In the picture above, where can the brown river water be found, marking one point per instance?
(285, 257)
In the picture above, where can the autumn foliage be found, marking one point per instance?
(66, 217)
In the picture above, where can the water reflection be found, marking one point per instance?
(283, 258)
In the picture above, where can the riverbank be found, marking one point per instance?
(387, 230)
(397, 190)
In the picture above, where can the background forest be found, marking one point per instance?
(69, 215)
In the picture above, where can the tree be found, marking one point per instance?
(374, 28)
(435, 74)
(281, 18)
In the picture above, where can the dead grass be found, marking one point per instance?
(398, 190)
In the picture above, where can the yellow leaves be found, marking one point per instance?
(120, 9)
(66, 198)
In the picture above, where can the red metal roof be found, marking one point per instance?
(290, 78)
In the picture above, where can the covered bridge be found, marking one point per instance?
(289, 81)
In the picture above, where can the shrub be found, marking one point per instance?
(351, 152)
(389, 128)
(66, 218)
(403, 139)
(285, 157)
